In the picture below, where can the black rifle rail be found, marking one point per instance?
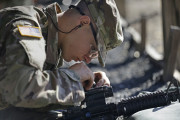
(97, 109)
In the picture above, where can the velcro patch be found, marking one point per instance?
(30, 31)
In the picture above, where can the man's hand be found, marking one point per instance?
(85, 74)
(101, 79)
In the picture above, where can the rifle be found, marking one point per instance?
(94, 107)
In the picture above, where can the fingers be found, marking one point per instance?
(87, 84)
(102, 82)
(101, 79)
(85, 74)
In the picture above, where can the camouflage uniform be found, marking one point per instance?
(29, 73)
(30, 78)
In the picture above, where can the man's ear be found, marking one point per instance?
(85, 20)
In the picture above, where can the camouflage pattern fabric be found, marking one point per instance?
(28, 77)
(11, 3)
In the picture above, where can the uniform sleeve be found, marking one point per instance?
(27, 84)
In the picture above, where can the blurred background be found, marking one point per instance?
(146, 60)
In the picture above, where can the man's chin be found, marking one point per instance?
(67, 60)
(72, 60)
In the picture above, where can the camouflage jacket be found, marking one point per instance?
(29, 76)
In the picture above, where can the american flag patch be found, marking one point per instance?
(30, 31)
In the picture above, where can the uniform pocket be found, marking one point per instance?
(35, 50)
(33, 46)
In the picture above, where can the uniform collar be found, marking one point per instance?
(53, 55)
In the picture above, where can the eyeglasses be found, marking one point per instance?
(94, 52)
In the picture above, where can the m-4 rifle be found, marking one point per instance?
(94, 107)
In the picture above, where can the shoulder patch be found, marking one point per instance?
(30, 31)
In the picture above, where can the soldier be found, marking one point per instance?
(33, 44)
